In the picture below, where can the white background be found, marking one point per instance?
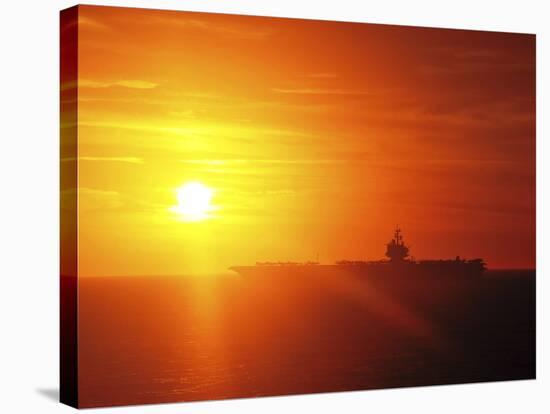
(29, 221)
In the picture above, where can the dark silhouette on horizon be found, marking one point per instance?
(400, 264)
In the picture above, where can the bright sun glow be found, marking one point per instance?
(193, 201)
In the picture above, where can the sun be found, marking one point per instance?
(194, 201)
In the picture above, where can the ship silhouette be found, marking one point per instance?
(399, 264)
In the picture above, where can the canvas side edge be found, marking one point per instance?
(68, 378)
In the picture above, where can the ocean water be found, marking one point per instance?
(186, 338)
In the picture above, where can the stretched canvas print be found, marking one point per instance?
(255, 206)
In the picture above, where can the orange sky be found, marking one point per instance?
(317, 138)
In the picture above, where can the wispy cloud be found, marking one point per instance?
(235, 30)
(131, 160)
(468, 61)
(176, 98)
(129, 83)
(232, 131)
(91, 199)
(85, 21)
(319, 91)
(322, 75)
(262, 161)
